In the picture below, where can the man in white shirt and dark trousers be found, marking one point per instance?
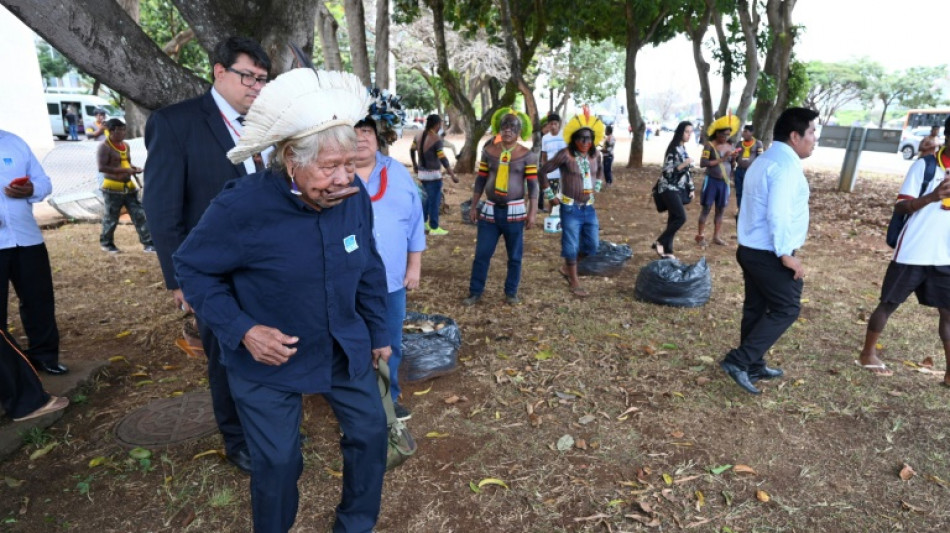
(772, 226)
(24, 261)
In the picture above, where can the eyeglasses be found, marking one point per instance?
(248, 80)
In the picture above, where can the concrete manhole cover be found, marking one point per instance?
(168, 421)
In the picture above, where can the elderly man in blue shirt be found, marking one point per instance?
(283, 267)
(400, 235)
(24, 261)
(772, 226)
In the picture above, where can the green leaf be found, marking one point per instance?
(140, 453)
(669, 346)
(543, 355)
(474, 487)
(716, 470)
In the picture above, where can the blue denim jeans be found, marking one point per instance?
(579, 229)
(395, 316)
(487, 240)
(430, 211)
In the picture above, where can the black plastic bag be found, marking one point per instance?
(431, 354)
(608, 261)
(669, 282)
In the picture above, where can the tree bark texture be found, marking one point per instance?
(639, 33)
(118, 54)
(749, 22)
(728, 67)
(356, 27)
(770, 104)
(696, 29)
(382, 44)
(135, 115)
(327, 27)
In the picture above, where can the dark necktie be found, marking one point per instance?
(258, 160)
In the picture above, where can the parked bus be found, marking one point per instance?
(58, 101)
(925, 118)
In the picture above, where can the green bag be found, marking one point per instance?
(401, 444)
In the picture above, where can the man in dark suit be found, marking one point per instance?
(187, 147)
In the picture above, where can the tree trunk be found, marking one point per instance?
(356, 28)
(118, 54)
(517, 73)
(697, 32)
(327, 27)
(135, 115)
(772, 100)
(639, 31)
(382, 44)
(749, 22)
(728, 67)
(474, 128)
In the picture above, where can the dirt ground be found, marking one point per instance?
(662, 440)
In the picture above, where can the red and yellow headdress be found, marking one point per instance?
(585, 120)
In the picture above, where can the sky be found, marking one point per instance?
(835, 30)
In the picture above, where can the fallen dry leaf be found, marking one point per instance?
(743, 469)
(909, 507)
(907, 472)
(422, 392)
(677, 434)
(928, 362)
(762, 496)
(492, 481)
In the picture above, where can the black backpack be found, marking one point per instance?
(896, 225)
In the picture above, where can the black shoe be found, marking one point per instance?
(53, 370)
(110, 248)
(402, 414)
(471, 300)
(765, 373)
(242, 460)
(741, 377)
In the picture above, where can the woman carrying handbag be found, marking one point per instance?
(675, 188)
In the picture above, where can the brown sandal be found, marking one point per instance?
(579, 292)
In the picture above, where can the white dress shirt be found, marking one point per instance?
(17, 225)
(775, 193)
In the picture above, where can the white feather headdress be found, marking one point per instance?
(298, 103)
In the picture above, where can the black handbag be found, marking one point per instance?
(658, 198)
(896, 225)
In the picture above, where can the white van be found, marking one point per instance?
(86, 104)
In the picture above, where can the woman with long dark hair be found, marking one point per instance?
(674, 183)
(428, 170)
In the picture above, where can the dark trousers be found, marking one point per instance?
(27, 269)
(272, 423)
(675, 218)
(222, 401)
(114, 201)
(739, 179)
(21, 391)
(430, 210)
(609, 168)
(485, 244)
(772, 304)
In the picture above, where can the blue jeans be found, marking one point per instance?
(395, 316)
(579, 229)
(609, 168)
(72, 133)
(430, 211)
(487, 240)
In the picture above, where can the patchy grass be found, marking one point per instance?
(636, 386)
